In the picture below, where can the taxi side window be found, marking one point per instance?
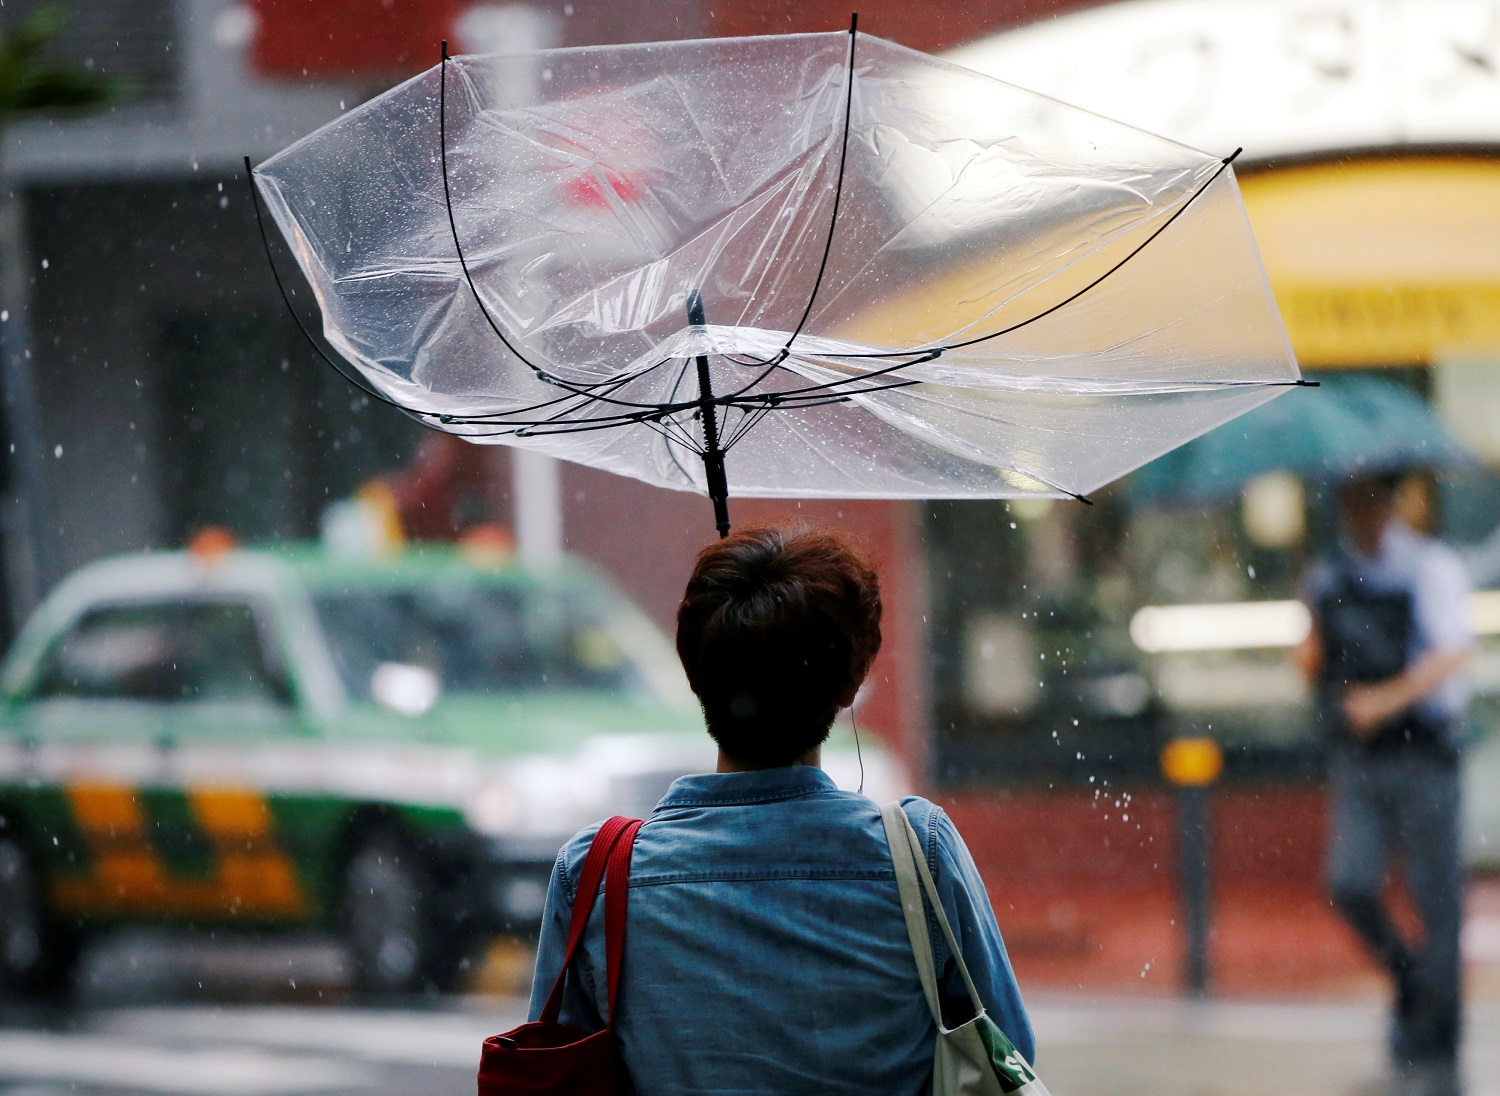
(475, 638)
(163, 651)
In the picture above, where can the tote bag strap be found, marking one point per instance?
(616, 899)
(589, 877)
(909, 859)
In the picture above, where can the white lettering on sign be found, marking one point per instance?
(1276, 76)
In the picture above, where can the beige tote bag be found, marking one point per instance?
(975, 1058)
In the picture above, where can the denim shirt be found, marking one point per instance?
(765, 948)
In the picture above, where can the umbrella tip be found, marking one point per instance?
(1235, 155)
(695, 308)
(853, 21)
(445, 49)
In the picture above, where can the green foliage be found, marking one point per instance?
(30, 81)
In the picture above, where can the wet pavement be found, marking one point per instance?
(1156, 1047)
(1088, 1047)
(215, 1017)
(244, 1050)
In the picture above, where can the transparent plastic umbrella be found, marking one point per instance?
(815, 265)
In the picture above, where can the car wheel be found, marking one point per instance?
(388, 907)
(37, 955)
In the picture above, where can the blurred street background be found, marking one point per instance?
(198, 884)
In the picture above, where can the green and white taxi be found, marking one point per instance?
(393, 749)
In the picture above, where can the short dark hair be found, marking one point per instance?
(1370, 487)
(777, 626)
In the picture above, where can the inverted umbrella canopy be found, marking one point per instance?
(857, 270)
(1349, 426)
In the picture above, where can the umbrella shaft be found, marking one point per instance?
(713, 454)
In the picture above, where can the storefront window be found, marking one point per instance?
(1072, 641)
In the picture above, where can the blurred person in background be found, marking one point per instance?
(1389, 640)
(766, 949)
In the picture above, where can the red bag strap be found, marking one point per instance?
(616, 899)
(589, 878)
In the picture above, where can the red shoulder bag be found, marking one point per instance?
(548, 1057)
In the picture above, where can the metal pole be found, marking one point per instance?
(713, 455)
(22, 519)
(538, 508)
(1192, 765)
(1193, 866)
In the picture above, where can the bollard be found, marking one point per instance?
(1192, 765)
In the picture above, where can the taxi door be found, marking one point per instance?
(144, 824)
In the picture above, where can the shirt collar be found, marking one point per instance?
(1395, 538)
(757, 786)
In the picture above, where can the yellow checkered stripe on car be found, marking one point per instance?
(250, 875)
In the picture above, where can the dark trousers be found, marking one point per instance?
(1404, 806)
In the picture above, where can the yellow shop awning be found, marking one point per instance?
(1382, 262)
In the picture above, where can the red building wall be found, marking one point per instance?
(377, 40)
(1085, 887)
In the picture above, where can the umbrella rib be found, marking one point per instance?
(921, 356)
(549, 377)
(419, 414)
(1049, 483)
(669, 424)
(458, 246)
(838, 188)
(548, 429)
(416, 413)
(613, 386)
(672, 456)
(586, 395)
(538, 428)
(358, 382)
(1161, 386)
(932, 355)
(531, 424)
(589, 390)
(838, 193)
(665, 431)
(832, 395)
(1223, 166)
(507, 418)
(746, 423)
(686, 439)
(463, 262)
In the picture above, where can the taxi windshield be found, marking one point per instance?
(481, 639)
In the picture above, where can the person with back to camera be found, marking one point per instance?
(1390, 637)
(766, 950)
